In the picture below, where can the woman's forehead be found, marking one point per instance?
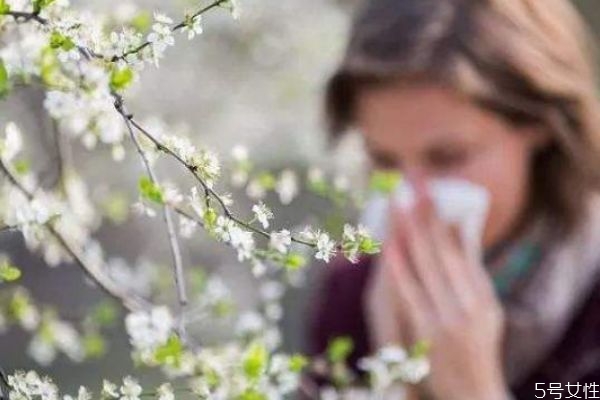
(423, 114)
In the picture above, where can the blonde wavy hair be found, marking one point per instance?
(529, 61)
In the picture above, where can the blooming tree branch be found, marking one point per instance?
(86, 70)
(173, 242)
(129, 300)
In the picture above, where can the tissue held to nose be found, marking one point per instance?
(457, 202)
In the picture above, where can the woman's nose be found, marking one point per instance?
(417, 174)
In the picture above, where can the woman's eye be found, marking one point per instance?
(445, 159)
(384, 161)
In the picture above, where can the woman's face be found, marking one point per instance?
(432, 132)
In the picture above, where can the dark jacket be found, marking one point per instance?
(338, 311)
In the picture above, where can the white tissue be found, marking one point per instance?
(457, 202)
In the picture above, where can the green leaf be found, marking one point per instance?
(369, 246)
(121, 78)
(4, 83)
(8, 272)
(94, 345)
(420, 349)
(150, 191)
(141, 22)
(21, 167)
(116, 207)
(105, 314)
(223, 308)
(198, 278)
(267, 181)
(4, 8)
(210, 218)
(38, 5)
(255, 361)
(384, 181)
(339, 349)
(319, 187)
(60, 41)
(297, 363)
(19, 304)
(49, 66)
(170, 352)
(211, 377)
(294, 261)
(252, 394)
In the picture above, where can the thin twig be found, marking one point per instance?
(8, 228)
(22, 16)
(173, 29)
(63, 156)
(208, 190)
(172, 234)
(130, 301)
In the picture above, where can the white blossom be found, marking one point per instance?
(263, 214)
(355, 240)
(240, 170)
(208, 166)
(258, 268)
(281, 240)
(414, 370)
(187, 227)
(272, 291)
(12, 143)
(109, 389)
(161, 36)
(274, 311)
(42, 351)
(196, 202)
(223, 228)
(140, 208)
(130, 389)
(255, 190)
(21, 55)
(194, 27)
(239, 153)
(149, 329)
(315, 175)
(181, 146)
(81, 82)
(29, 385)
(171, 195)
(250, 323)
(243, 242)
(341, 183)
(325, 245)
(123, 42)
(137, 278)
(392, 354)
(83, 393)
(391, 364)
(236, 10)
(287, 186)
(165, 392)
(239, 177)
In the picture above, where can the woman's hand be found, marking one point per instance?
(427, 289)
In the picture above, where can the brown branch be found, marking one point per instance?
(22, 16)
(194, 170)
(178, 274)
(130, 301)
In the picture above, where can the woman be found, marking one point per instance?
(501, 93)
